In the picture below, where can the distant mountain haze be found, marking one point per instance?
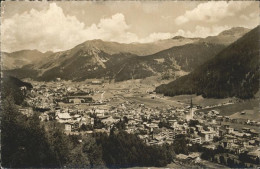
(21, 58)
(112, 60)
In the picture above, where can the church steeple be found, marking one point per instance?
(191, 105)
(191, 109)
(191, 113)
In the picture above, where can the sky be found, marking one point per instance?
(56, 26)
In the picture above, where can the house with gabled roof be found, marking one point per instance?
(63, 117)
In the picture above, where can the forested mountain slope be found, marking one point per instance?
(233, 72)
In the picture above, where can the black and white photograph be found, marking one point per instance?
(130, 84)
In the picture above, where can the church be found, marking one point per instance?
(190, 115)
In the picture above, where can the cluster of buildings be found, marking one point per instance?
(75, 109)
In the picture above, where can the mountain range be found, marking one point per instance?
(21, 58)
(115, 61)
(228, 36)
(232, 72)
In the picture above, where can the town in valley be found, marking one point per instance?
(97, 106)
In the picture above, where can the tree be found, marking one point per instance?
(193, 123)
(86, 127)
(127, 150)
(257, 161)
(60, 145)
(11, 87)
(93, 151)
(164, 124)
(221, 159)
(9, 127)
(24, 143)
(160, 124)
(216, 139)
(78, 159)
(170, 152)
(98, 124)
(230, 162)
(180, 144)
(125, 119)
